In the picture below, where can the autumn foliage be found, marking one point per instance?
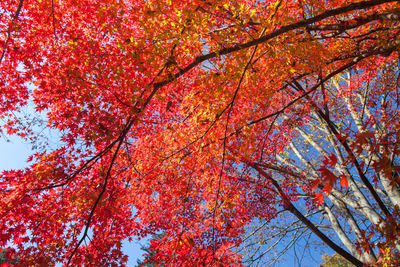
(174, 117)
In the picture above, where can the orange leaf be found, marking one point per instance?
(343, 181)
(319, 198)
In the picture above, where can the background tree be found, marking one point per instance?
(171, 113)
(334, 261)
(7, 257)
(340, 148)
(150, 253)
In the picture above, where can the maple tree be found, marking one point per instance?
(170, 114)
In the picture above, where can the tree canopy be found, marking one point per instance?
(196, 119)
